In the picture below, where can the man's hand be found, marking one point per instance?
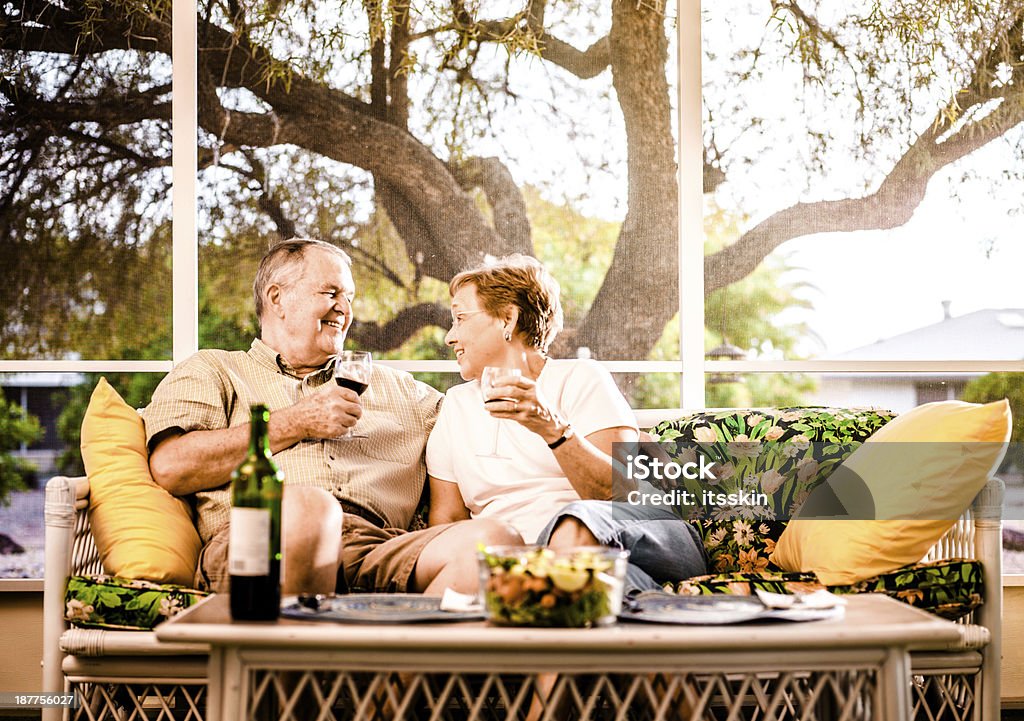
(523, 402)
(81, 493)
(327, 414)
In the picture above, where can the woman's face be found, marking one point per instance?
(476, 336)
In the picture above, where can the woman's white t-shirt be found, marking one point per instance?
(526, 487)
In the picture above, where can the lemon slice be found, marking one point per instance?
(569, 579)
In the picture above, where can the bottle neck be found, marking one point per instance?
(259, 438)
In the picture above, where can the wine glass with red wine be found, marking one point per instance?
(352, 370)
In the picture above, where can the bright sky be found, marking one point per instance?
(879, 284)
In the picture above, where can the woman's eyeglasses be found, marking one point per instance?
(460, 317)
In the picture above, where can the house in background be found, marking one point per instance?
(42, 395)
(991, 334)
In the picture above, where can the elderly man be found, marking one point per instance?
(347, 502)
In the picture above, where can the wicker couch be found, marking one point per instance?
(129, 674)
(118, 674)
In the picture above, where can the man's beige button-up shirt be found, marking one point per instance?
(383, 473)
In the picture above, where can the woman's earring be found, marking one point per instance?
(508, 336)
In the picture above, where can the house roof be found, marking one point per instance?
(990, 334)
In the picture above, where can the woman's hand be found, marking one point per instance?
(585, 461)
(523, 402)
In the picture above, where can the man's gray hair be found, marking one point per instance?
(282, 264)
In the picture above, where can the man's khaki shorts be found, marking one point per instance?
(378, 560)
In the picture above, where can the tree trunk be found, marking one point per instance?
(640, 293)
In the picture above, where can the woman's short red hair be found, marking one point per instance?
(522, 282)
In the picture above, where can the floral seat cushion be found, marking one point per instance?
(950, 588)
(124, 604)
(784, 453)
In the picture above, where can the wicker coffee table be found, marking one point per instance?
(854, 668)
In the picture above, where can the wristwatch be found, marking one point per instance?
(566, 435)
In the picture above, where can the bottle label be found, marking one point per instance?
(249, 542)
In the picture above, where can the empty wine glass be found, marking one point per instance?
(487, 383)
(352, 369)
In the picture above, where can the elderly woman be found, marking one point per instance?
(540, 458)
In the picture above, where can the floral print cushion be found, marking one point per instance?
(740, 546)
(744, 584)
(124, 604)
(950, 588)
(784, 453)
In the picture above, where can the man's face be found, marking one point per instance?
(317, 309)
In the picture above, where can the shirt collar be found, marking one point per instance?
(267, 356)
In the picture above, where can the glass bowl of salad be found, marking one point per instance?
(535, 586)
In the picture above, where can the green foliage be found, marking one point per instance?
(215, 330)
(103, 298)
(16, 427)
(748, 314)
(576, 249)
(135, 388)
(121, 603)
(69, 425)
(994, 387)
(87, 239)
(761, 390)
(387, 281)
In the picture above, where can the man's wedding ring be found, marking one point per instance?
(515, 404)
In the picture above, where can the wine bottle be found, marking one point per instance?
(254, 539)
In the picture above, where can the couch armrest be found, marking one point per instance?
(100, 642)
(59, 532)
(987, 513)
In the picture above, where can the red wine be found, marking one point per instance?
(257, 598)
(254, 543)
(352, 385)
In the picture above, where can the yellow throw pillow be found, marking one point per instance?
(141, 530)
(943, 455)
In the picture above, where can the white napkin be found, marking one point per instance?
(452, 600)
(818, 600)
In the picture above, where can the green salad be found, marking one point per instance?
(538, 587)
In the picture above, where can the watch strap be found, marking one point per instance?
(566, 435)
